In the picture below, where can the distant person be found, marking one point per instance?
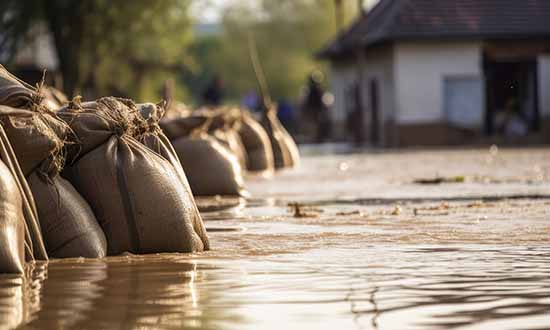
(511, 122)
(214, 93)
(251, 101)
(315, 106)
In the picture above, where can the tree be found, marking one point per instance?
(107, 45)
(287, 34)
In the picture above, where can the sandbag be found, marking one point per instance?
(34, 139)
(230, 139)
(259, 153)
(34, 244)
(135, 194)
(15, 93)
(285, 151)
(178, 127)
(210, 167)
(53, 98)
(18, 94)
(69, 227)
(153, 137)
(12, 224)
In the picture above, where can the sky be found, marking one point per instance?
(210, 11)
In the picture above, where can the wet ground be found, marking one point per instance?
(414, 240)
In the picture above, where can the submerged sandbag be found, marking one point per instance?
(255, 141)
(135, 194)
(224, 125)
(200, 153)
(285, 151)
(34, 245)
(232, 141)
(12, 224)
(153, 137)
(69, 227)
(210, 167)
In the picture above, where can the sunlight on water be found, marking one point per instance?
(342, 264)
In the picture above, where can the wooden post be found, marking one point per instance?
(339, 15)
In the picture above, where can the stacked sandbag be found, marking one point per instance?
(224, 128)
(20, 236)
(68, 225)
(53, 98)
(285, 151)
(255, 141)
(136, 195)
(153, 137)
(18, 94)
(211, 168)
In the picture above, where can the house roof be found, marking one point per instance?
(392, 20)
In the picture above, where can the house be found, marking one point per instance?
(36, 54)
(439, 72)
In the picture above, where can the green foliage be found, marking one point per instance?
(130, 48)
(287, 34)
(108, 46)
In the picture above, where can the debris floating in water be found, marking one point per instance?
(302, 211)
(440, 180)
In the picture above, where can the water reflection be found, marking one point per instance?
(270, 270)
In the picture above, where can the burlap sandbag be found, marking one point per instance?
(135, 194)
(12, 224)
(229, 138)
(18, 94)
(69, 227)
(259, 153)
(210, 167)
(34, 244)
(53, 98)
(153, 137)
(34, 139)
(15, 93)
(225, 123)
(285, 151)
(177, 127)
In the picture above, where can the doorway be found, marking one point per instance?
(512, 98)
(375, 112)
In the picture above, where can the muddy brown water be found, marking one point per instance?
(381, 253)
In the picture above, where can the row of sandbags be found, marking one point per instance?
(87, 180)
(111, 176)
(227, 142)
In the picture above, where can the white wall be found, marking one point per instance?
(342, 76)
(419, 72)
(375, 64)
(544, 85)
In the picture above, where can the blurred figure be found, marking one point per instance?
(213, 94)
(251, 101)
(315, 106)
(511, 122)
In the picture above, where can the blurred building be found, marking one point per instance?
(436, 72)
(35, 54)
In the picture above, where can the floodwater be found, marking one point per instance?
(364, 248)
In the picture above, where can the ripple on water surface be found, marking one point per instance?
(417, 265)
